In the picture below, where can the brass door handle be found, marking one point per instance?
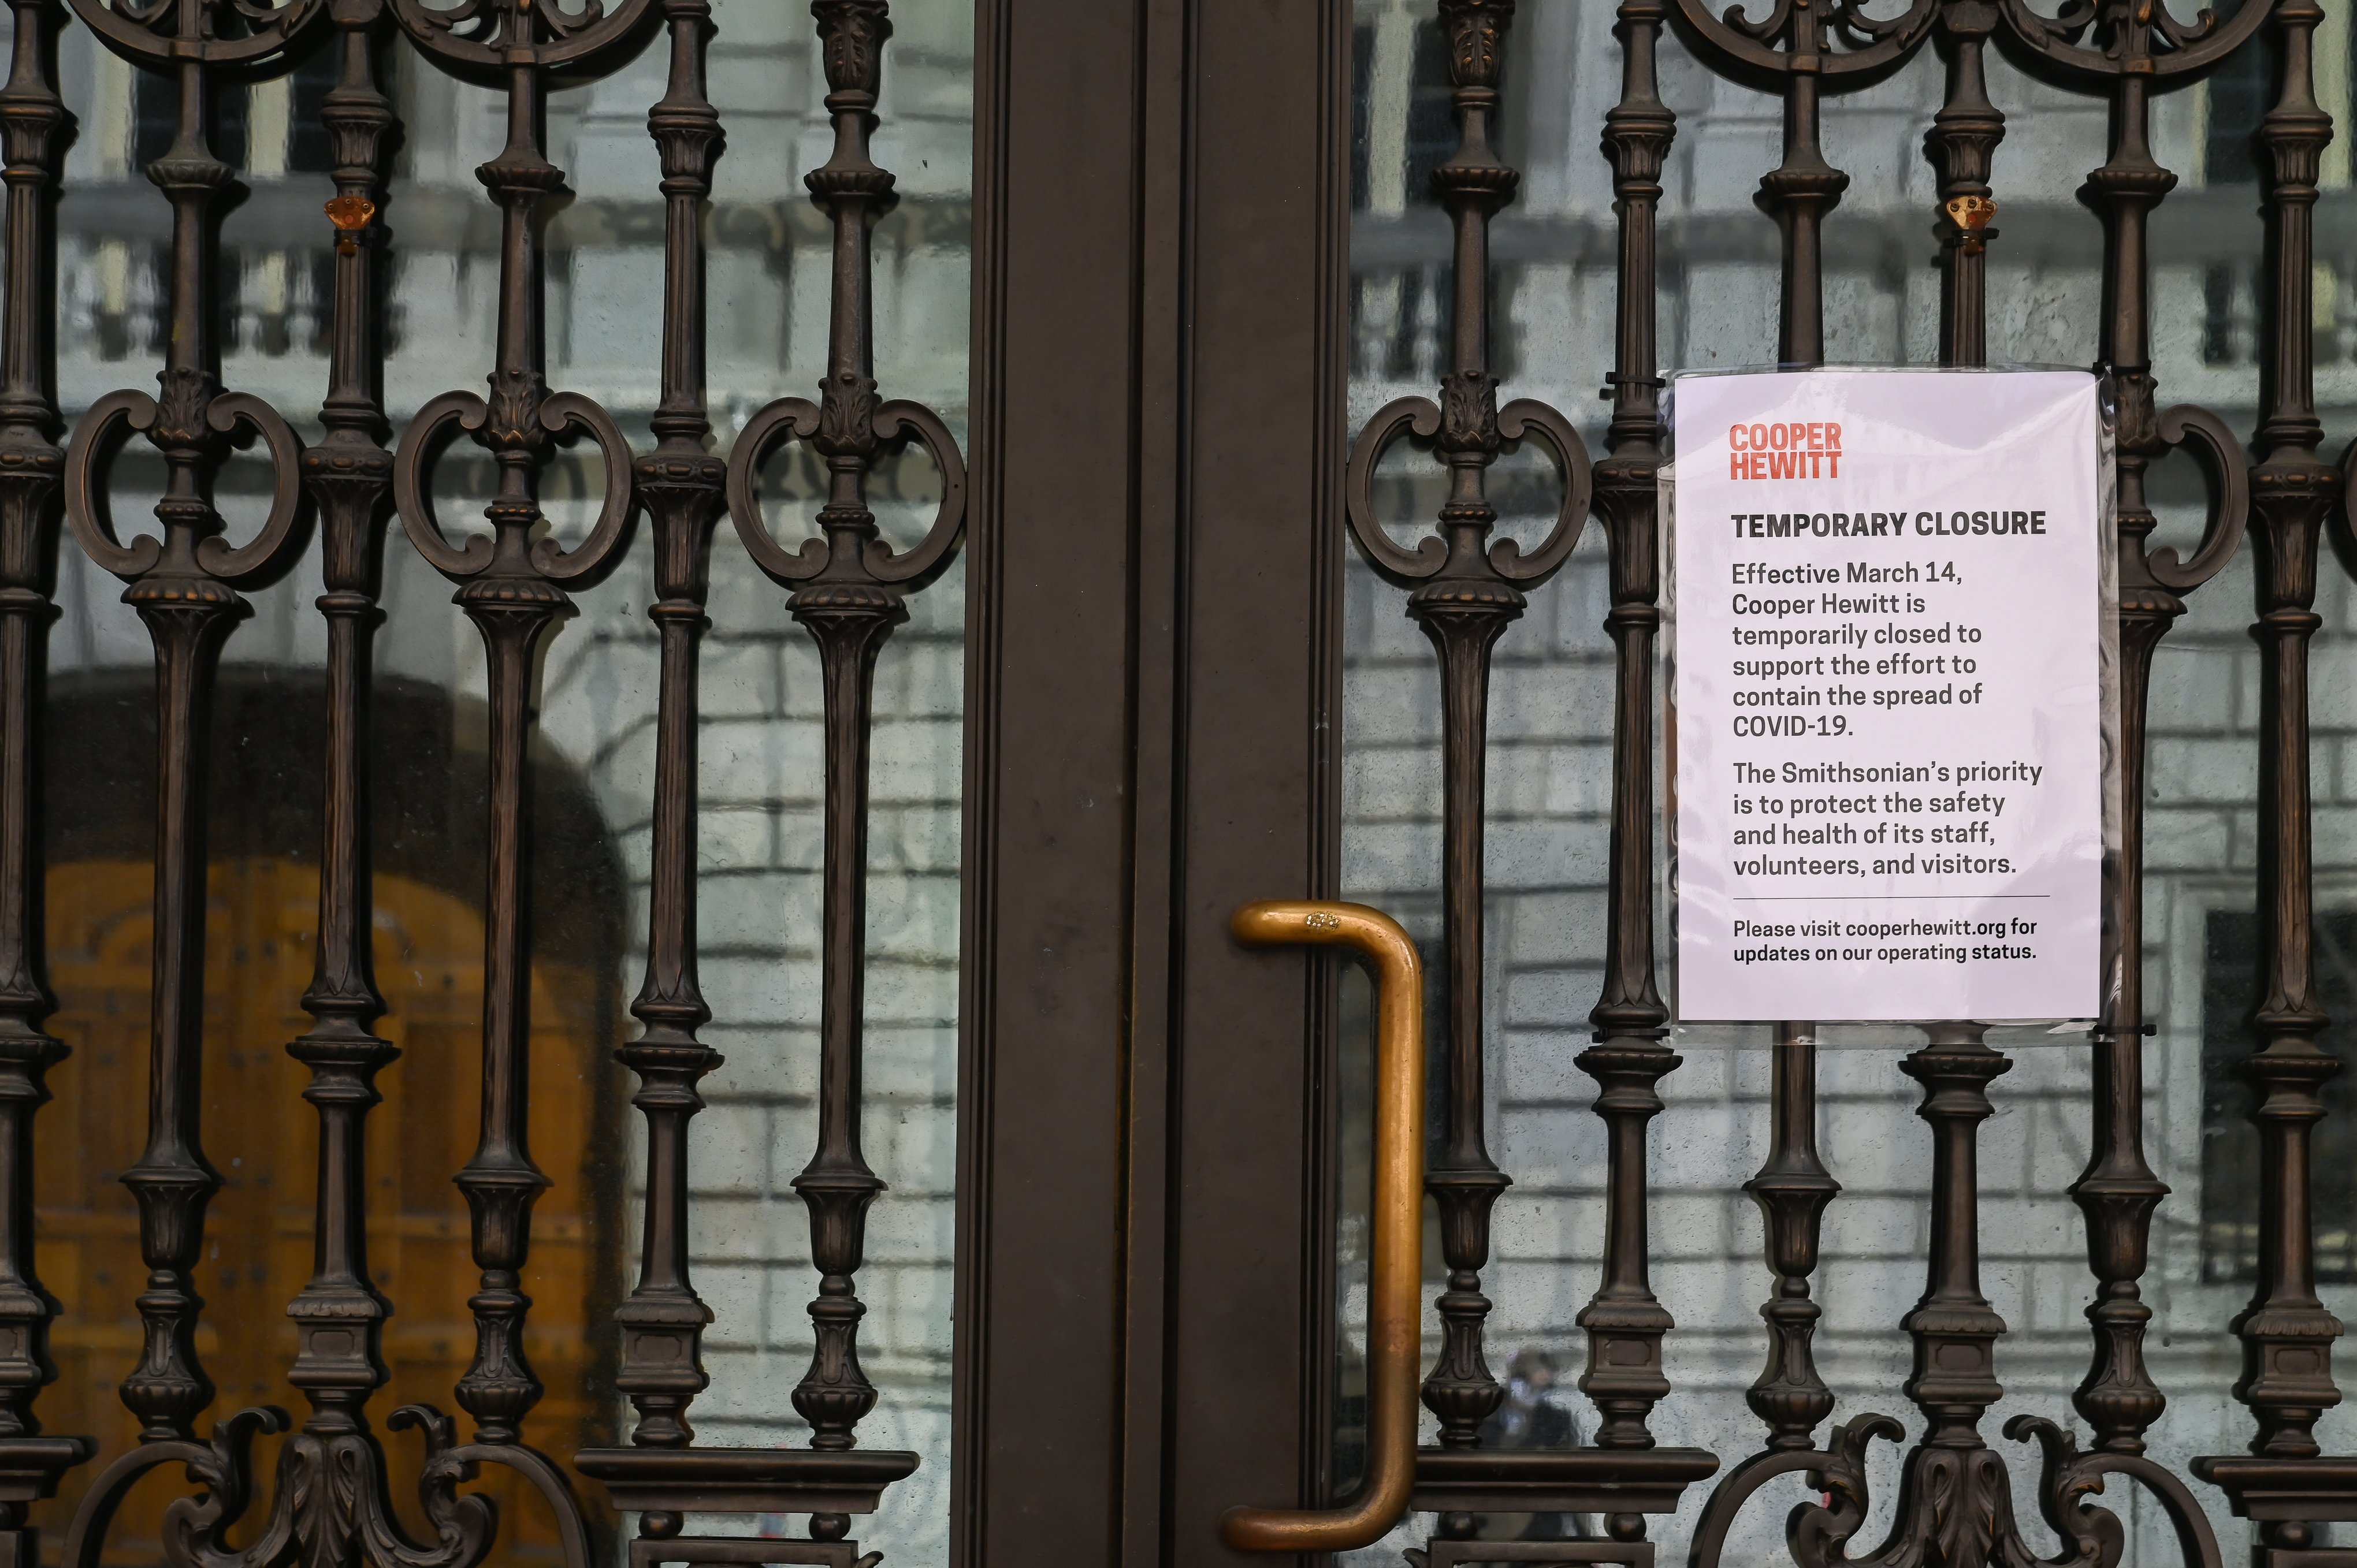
(1395, 1305)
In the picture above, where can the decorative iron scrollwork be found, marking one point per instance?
(512, 586)
(1956, 1503)
(1799, 191)
(184, 586)
(33, 130)
(2296, 498)
(2125, 50)
(1464, 591)
(847, 588)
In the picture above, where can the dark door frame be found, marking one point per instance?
(1153, 680)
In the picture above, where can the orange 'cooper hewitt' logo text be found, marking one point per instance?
(1782, 451)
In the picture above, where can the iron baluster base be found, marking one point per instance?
(2286, 1497)
(333, 1503)
(1622, 1484)
(1443, 1552)
(1955, 1504)
(700, 1551)
(666, 1485)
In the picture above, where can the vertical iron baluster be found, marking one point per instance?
(1464, 592)
(1624, 1323)
(1955, 1503)
(848, 589)
(512, 586)
(1955, 1495)
(685, 489)
(1793, 1190)
(1963, 140)
(1798, 193)
(1804, 188)
(2286, 1331)
(339, 1315)
(184, 586)
(2118, 1192)
(1464, 619)
(33, 124)
(662, 1476)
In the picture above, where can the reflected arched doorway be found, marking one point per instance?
(263, 886)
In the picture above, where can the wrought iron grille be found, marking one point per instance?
(1424, 303)
(196, 62)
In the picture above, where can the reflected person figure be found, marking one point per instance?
(1532, 1415)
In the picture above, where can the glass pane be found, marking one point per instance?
(761, 786)
(1550, 747)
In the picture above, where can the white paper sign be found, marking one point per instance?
(1888, 695)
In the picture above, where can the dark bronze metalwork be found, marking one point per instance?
(1464, 592)
(1624, 1322)
(684, 489)
(1631, 1549)
(339, 1314)
(1801, 190)
(848, 588)
(330, 1502)
(2129, 55)
(511, 586)
(33, 129)
(648, 1552)
(1961, 145)
(664, 1477)
(184, 586)
(1955, 1502)
(2286, 1331)
(1793, 1190)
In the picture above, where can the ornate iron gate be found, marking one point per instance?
(331, 1500)
(1465, 588)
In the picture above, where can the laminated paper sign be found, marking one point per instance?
(1887, 650)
